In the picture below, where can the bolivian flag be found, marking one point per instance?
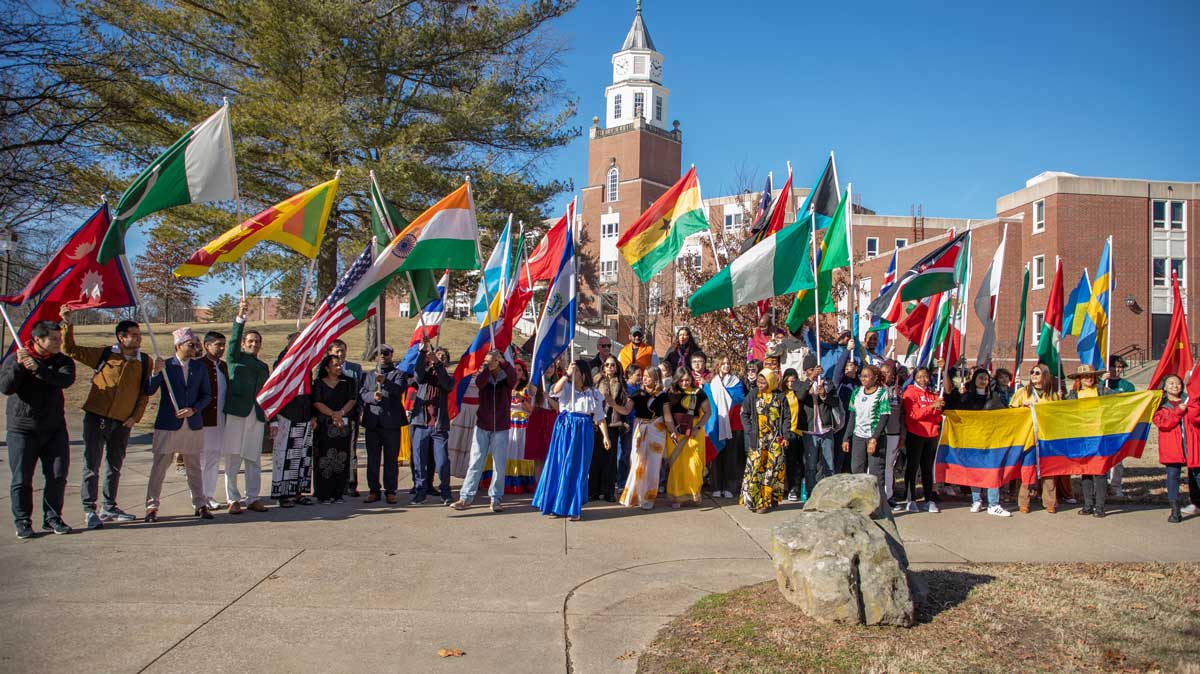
(298, 223)
(655, 239)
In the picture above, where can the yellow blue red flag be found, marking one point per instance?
(1091, 435)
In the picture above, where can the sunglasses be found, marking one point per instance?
(610, 365)
(1035, 373)
(605, 346)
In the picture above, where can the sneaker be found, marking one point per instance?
(1189, 509)
(115, 514)
(446, 500)
(496, 507)
(1071, 501)
(92, 520)
(999, 511)
(57, 526)
(898, 508)
(933, 508)
(24, 531)
(912, 507)
(977, 507)
(793, 496)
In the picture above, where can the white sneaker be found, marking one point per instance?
(933, 508)
(1072, 501)
(999, 511)
(1189, 509)
(912, 507)
(977, 506)
(729, 494)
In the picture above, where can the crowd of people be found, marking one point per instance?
(623, 426)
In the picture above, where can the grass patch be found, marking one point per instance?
(998, 619)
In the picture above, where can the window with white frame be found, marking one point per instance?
(692, 259)
(639, 104)
(900, 243)
(617, 106)
(608, 271)
(1168, 214)
(1163, 267)
(1038, 272)
(614, 179)
(1039, 216)
(1039, 318)
(734, 221)
(658, 108)
(872, 246)
(609, 230)
(653, 299)
(639, 65)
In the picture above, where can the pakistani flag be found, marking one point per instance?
(386, 221)
(1052, 325)
(196, 168)
(768, 269)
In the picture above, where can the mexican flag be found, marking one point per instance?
(196, 168)
(1052, 325)
(768, 269)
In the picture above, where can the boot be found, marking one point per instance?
(1175, 517)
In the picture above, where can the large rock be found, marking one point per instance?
(842, 560)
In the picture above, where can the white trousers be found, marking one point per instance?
(210, 458)
(243, 450)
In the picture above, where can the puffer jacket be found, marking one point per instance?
(1178, 433)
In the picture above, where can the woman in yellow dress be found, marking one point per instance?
(650, 410)
(690, 408)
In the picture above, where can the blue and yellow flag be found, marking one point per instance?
(1076, 306)
(1093, 335)
(1091, 435)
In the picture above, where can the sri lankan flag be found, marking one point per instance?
(298, 223)
(656, 237)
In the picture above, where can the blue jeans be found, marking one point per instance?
(429, 454)
(993, 495)
(818, 459)
(494, 443)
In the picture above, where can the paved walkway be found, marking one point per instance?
(354, 588)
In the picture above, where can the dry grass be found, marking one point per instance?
(456, 336)
(981, 618)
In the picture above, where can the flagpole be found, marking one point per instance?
(574, 281)
(965, 293)
(853, 304)
(1108, 310)
(1062, 379)
(304, 295)
(137, 294)
(420, 310)
(812, 244)
(529, 280)
(11, 329)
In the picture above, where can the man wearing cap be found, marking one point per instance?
(637, 351)
(244, 419)
(179, 426)
(382, 398)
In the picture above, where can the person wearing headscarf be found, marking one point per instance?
(1178, 423)
(765, 418)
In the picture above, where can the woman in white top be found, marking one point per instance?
(562, 487)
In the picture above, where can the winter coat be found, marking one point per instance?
(35, 397)
(1178, 433)
(920, 418)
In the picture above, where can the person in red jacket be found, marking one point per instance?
(922, 420)
(1178, 422)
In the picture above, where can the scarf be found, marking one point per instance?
(724, 392)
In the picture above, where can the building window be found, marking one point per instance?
(1039, 271)
(735, 221)
(608, 271)
(658, 108)
(872, 246)
(653, 299)
(1169, 214)
(1163, 267)
(609, 230)
(639, 65)
(900, 243)
(1039, 216)
(639, 105)
(608, 304)
(1039, 317)
(617, 106)
(694, 261)
(614, 178)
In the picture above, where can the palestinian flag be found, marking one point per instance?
(766, 270)
(197, 168)
(936, 272)
(1052, 324)
(656, 237)
(298, 223)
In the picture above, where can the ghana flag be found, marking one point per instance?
(298, 223)
(656, 237)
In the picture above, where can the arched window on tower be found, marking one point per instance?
(614, 179)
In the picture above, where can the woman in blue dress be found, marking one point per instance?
(562, 488)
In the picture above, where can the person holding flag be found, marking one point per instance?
(244, 418)
(1178, 423)
(430, 422)
(1041, 388)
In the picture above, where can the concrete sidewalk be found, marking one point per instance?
(354, 588)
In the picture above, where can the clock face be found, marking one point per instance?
(656, 68)
(621, 67)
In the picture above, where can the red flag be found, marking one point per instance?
(543, 261)
(1176, 358)
(73, 278)
(914, 325)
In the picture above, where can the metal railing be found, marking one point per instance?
(1134, 355)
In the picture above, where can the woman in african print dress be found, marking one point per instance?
(650, 407)
(333, 399)
(765, 417)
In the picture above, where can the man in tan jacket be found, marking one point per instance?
(114, 404)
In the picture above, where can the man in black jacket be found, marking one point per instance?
(431, 423)
(824, 417)
(33, 378)
(382, 399)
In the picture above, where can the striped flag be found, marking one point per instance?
(428, 327)
(1052, 324)
(556, 328)
(985, 304)
(1093, 343)
(654, 240)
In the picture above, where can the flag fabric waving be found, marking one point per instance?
(198, 167)
(878, 324)
(985, 304)
(656, 237)
(1020, 348)
(936, 272)
(386, 221)
(717, 430)
(298, 223)
(832, 253)
(1052, 322)
(986, 449)
(1093, 334)
(1091, 435)
(493, 282)
(432, 314)
(556, 328)
(1075, 308)
(766, 270)
(544, 259)
(1176, 357)
(352, 300)
(775, 218)
(825, 196)
(74, 278)
(762, 215)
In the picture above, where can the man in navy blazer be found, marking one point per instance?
(179, 426)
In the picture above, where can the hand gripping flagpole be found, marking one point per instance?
(137, 295)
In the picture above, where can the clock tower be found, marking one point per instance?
(632, 160)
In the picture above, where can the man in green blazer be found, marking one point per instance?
(244, 419)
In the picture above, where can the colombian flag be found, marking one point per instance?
(1091, 435)
(986, 449)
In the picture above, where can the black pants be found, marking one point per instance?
(104, 440)
(352, 481)
(25, 449)
(1095, 488)
(861, 461)
(841, 460)
(383, 444)
(1175, 475)
(920, 453)
(602, 475)
(729, 467)
(793, 459)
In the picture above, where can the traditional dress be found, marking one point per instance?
(291, 455)
(462, 431)
(331, 444)
(763, 484)
(562, 487)
(686, 456)
(519, 475)
(649, 444)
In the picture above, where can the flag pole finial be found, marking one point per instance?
(337, 174)
(225, 101)
(639, 6)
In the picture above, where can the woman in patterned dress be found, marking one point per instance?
(765, 418)
(650, 409)
(519, 476)
(333, 399)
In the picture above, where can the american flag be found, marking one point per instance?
(293, 376)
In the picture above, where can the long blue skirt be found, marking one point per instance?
(562, 488)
